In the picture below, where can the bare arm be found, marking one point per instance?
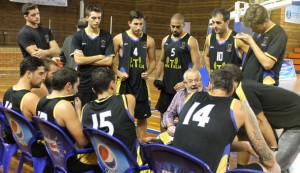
(195, 53)
(84, 60)
(29, 103)
(160, 64)
(264, 60)
(266, 130)
(151, 57)
(242, 47)
(106, 61)
(206, 54)
(33, 50)
(40, 92)
(257, 141)
(71, 122)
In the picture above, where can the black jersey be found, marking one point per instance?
(280, 106)
(40, 36)
(100, 45)
(223, 53)
(46, 108)
(13, 99)
(206, 127)
(273, 44)
(133, 62)
(112, 116)
(177, 61)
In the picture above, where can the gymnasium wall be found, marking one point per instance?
(158, 14)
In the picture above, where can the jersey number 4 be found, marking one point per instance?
(103, 122)
(201, 116)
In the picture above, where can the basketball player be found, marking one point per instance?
(220, 46)
(62, 109)
(111, 113)
(93, 48)
(179, 51)
(133, 49)
(209, 122)
(267, 46)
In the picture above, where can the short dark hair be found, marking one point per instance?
(101, 78)
(28, 6)
(30, 63)
(136, 14)
(47, 63)
(223, 12)
(255, 14)
(62, 76)
(82, 23)
(222, 79)
(91, 8)
(235, 70)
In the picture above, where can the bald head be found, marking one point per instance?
(178, 16)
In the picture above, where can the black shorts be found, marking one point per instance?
(254, 166)
(164, 101)
(142, 110)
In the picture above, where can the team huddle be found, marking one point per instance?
(104, 85)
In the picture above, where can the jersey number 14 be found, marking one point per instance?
(201, 116)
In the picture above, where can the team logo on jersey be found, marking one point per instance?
(103, 43)
(107, 156)
(166, 44)
(264, 43)
(229, 47)
(144, 44)
(183, 44)
(125, 44)
(47, 38)
(15, 127)
(83, 44)
(211, 47)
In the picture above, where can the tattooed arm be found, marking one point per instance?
(245, 116)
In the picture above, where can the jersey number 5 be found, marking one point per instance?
(201, 115)
(103, 123)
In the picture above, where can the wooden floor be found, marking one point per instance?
(9, 75)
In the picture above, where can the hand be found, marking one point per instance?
(40, 53)
(147, 139)
(178, 86)
(123, 76)
(144, 75)
(159, 84)
(249, 149)
(171, 130)
(77, 104)
(246, 38)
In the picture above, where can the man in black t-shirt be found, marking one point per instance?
(267, 46)
(34, 39)
(275, 108)
(93, 48)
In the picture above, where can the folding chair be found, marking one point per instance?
(243, 171)
(111, 153)
(25, 136)
(6, 150)
(59, 145)
(164, 158)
